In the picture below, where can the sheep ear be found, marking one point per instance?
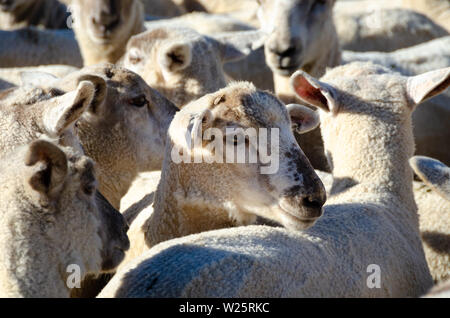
(62, 111)
(422, 87)
(100, 91)
(314, 92)
(36, 78)
(434, 173)
(50, 168)
(303, 119)
(198, 124)
(234, 46)
(176, 57)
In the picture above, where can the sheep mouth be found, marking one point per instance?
(294, 220)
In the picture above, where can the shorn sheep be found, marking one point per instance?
(51, 223)
(103, 27)
(125, 131)
(49, 14)
(367, 242)
(34, 47)
(29, 112)
(184, 65)
(434, 213)
(196, 197)
(434, 219)
(384, 30)
(302, 36)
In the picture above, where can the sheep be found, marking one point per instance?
(30, 112)
(34, 47)
(51, 222)
(410, 61)
(252, 69)
(367, 242)
(434, 212)
(433, 223)
(13, 76)
(182, 207)
(438, 10)
(384, 30)
(434, 173)
(162, 8)
(430, 123)
(184, 65)
(243, 10)
(303, 36)
(124, 131)
(16, 14)
(103, 28)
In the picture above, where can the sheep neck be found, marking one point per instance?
(182, 209)
(388, 175)
(115, 174)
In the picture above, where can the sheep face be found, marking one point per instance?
(106, 21)
(180, 63)
(52, 200)
(286, 189)
(12, 5)
(297, 30)
(129, 124)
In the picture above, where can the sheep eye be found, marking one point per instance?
(139, 101)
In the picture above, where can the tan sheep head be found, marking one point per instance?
(107, 21)
(297, 32)
(434, 173)
(286, 190)
(52, 194)
(45, 111)
(183, 64)
(369, 99)
(125, 133)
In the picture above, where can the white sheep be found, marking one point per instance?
(13, 76)
(51, 223)
(16, 14)
(430, 123)
(34, 47)
(103, 28)
(384, 30)
(302, 36)
(184, 65)
(192, 198)
(434, 223)
(123, 130)
(367, 242)
(434, 213)
(163, 8)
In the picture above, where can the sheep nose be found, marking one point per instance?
(314, 204)
(105, 21)
(283, 52)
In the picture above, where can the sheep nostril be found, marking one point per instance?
(311, 202)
